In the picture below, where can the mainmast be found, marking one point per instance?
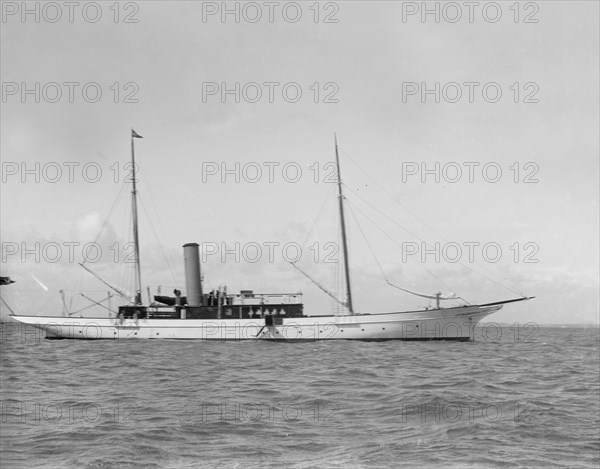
(343, 224)
(136, 240)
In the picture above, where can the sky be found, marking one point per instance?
(468, 142)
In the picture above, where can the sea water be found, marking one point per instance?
(518, 396)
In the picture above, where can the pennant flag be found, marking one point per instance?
(134, 134)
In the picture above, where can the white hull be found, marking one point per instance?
(437, 324)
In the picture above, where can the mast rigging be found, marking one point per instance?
(343, 225)
(136, 241)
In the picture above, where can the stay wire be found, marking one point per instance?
(158, 240)
(110, 212)
(318, 217)
(396, 242)
(512, 289)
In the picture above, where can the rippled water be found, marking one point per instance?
(510, 399)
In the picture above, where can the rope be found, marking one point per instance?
(105, 222)
(158, 240)
(318, 217)
(368, 244)
(6, 304)
(396, 242)
(512, 289)
(431, 297)
(160, 226)
(390, 195)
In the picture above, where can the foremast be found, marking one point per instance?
(343, 226)
(136, 240)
